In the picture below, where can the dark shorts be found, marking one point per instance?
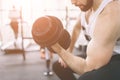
(111, 71)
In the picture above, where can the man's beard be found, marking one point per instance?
(87, 6)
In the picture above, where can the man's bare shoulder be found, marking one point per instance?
(114, 7)
(108, 21)
(112, 12)
(115, 13)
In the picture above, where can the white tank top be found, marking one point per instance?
(89, 27)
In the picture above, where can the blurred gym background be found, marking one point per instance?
(26, 12)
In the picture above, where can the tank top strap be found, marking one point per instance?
(94, 16)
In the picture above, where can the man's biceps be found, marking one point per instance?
(94, 62)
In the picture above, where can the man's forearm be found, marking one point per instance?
(73, 61)
(73, 40)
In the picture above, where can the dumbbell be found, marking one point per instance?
(48, 30)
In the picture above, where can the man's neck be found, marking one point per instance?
(96, 4)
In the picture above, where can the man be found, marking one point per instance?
(101, 24)
(47, 55)
(14, 16)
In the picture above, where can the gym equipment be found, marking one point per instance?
(48, 30)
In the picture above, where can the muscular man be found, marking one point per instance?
(101, 24)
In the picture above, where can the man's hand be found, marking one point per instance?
(58, 49)
(62, 63)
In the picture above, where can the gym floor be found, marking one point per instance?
(13, 67)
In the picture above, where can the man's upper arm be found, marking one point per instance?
(101, 46)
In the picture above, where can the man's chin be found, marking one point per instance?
(83, 9)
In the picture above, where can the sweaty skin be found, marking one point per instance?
(100, 48)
